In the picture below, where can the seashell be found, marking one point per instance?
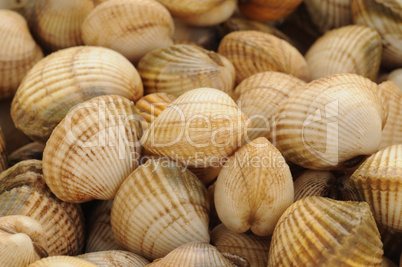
(251, 247)
(174, 203)
(396, 77)
(32, 150)
(254, 188)
(66, 78)
(93, 150)
(385, 18)
(330, 121)
(18, 52)
(152, 105)
(180, 68)
(350, 49)
(326, 232)
(23, 191)
(65, 261)
(3, 152)
(379, 182)
(114, 258)
(206, 175)
(132, 28)
(267, 10)
(260, 97)
(252, 52)
(198, 128)
(22, 241)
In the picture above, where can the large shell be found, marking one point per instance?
(252, 52)
(254, 188)
(180, 68)
(23, 191)
(132, 28)
(62, 261)
(318, 231)
(18, 52)
(66, 78)
(198, 128)
(3, 152)
(267, 10)
(350, 49)
(330, 121)
(158, 208)
(114, 258)
(32, 150)
(93, 150)
(379, 182)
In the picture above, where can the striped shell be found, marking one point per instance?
(62, 261)
(114, 258)
(267, 10)
(318, 231)
(3, 152)
(32, 150)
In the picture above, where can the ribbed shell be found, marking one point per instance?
(158, 208)
(379, 182)
(114, 258)
(350, 49)
(260, 97)
(132, 28)
(254, 188)
(267, 10)
(93, 150)
(251, 247)
(318, 231)
(32, 150)
(251, 52)
(3, 152)
(152, 105)
(330, 121)
(23, 192)
(198, 128)
(62, 261)
(18, 52)
(66, 78)
(180, 68)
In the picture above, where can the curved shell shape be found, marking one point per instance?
(152, 105)
(252, 52)
(158, 208)
(206, 175)
(330, 121)
(3, 152)
(350, 49)
(180, 68)
(18, 52)
(114, 258)
(251, 247)
(267, 10)
(254, 188)
(326, 232)
(66, 78)
(379, 182)
(198, 128)
(32, 150)
(23, 191)
(62, 261)
(260, 96)
(93, 150)
(396, 77)
(132, 28)
(213, 216)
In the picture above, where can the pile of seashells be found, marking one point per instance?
(201, 133)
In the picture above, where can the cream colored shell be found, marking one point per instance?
(3, 152)
(114, 258)
(62, 261)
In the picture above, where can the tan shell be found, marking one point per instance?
(267, 10)
(254, 188)
(350, 49)
(206, 175)
(23, 191)
(158, 208)
(114, 258)
(251, 52)
(62, 261)
(251, 247)
(132, 28)
(319, 231)
(3, 152)
(152, 105)
(330, 121)
(198, 128)
(206, 37)
(66, 78)
(396, 77)
(32, 150)
(18, 52)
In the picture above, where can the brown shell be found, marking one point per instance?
(3, 152)
(32, 150)
(267, 10)
(65, 261)
(114, 258)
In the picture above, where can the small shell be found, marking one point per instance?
(396, 77)
(66, 78)
(254, 188)
(132, 28)
(180, 68)
(114, 258)
(158, 208)
(251, 52)
(318, 231)
(3, 152)
(62, 261)
(206, 175)
(206, 37)
(350, 49)
(267, 10)
(30, 151)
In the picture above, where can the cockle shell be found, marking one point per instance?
(132, 28)
(318, 231)
(251, 52)
(396, 77)
(3, 152)
(152, 105)
(254, 188)
(158, 208)
(267, 10)
(350, 49)
(93, 150)
(62, 261)
(114, 258)
(206, 175)
(331, 120)
(23, 191)
(66, 78)
(32, 150)
(198, 128)
(18, 52)
(180, 68)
